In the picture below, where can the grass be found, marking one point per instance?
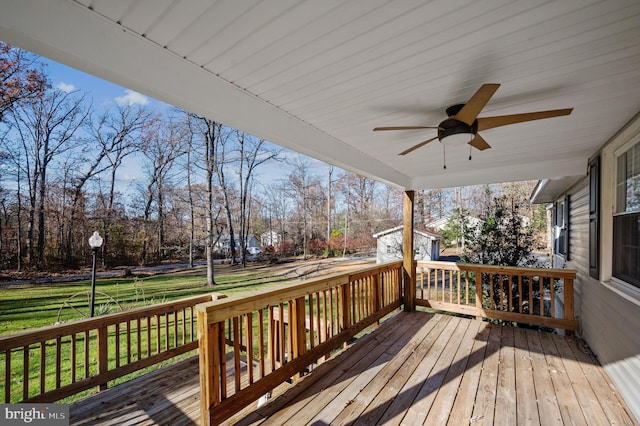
(32, 306)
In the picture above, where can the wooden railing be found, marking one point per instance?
(52, 363)
(250, 345)
(518, 295)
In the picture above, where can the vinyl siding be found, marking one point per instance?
(609, 323)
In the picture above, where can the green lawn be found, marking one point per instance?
(38, 305)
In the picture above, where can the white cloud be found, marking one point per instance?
(132, 98)
(65, 87)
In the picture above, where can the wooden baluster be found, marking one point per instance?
(249, 333)
(25, 373)
(553, 297)
(271, 338)
(458, 285)
(184, 326)
(86, 354)
(236, 353)
(541, 282)
(221, 364)
(478, 280)
(158, 334)
(166, 331)
(520, 299)
(261, 341)
(450, 286)
(148, 336)
(43, 365)
(290, 331)
(58, 361)
(128, 342)
(175, 329)
(501, 282)
(117, 336)
(428, 283)
(138, 338)
(7, 376)
(466, 283)
(318, 319)
(492, 302)
(281, 335)
(345, 306)
(103, 354)
(74, 355)
(510, 301)
(311, 317)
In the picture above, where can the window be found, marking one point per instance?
(626, 220)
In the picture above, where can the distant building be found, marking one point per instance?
(426, 245)
(224, 244)
(270, 238)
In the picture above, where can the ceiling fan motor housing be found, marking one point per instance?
(451, 126)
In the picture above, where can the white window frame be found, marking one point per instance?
(623, 141)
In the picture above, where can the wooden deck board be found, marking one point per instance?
(416, 368)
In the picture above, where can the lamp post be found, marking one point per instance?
(95, 241)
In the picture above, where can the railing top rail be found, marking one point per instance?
(220, 310)
(58, 330)
(508, 270)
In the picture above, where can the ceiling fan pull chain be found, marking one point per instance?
(469, 152)
(444, 156)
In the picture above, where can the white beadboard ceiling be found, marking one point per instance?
(318, 76)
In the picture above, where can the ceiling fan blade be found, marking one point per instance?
(421, 144)
(472, 108)
(404, 128)
(479, 143)
(485, 123)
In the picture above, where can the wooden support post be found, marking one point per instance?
(408, 264)
(208, 378)
(298, 330)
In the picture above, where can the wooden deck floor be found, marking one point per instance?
(414, 369)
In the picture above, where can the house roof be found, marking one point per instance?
(428, 234)
(317, 77)
(442, 222)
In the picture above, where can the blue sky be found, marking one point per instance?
(105, 94)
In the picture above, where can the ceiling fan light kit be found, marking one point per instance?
(463, 123)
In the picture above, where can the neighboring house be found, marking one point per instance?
(224, 243)
(389, 245)
(596, 231)
(270, 238)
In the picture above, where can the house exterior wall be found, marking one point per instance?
(608, 312)
(389, 247)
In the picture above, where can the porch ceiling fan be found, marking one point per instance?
(463, 123)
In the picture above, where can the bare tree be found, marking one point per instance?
(210, 134)
(46, 127)
(166, 144)
(119, 132)
(252, 154)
